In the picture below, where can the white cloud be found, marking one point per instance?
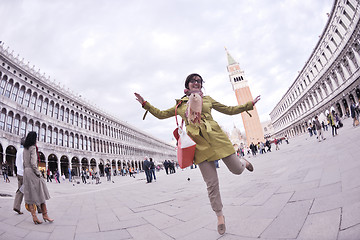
(106, 51)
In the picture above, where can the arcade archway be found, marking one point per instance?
(52, 162)
(64, 165)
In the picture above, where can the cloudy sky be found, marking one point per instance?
(107, 50)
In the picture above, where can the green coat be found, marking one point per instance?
(211, 142)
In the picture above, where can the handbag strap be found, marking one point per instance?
(182, 122)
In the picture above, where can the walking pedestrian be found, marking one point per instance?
(5, 172)
(35, 189)
(211, 142)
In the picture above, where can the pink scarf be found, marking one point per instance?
(194, 106)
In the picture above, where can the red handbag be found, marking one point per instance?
(185, 145)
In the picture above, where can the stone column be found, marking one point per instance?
(357, 56)
(351, 64)
(333, 82)
(341, 80)
(346, 72)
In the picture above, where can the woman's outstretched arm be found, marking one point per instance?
(161, 114)
(139, 98)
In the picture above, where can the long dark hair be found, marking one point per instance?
(191, 76)
(30, 140)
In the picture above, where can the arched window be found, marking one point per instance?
(55, 136)
(20, 96)
(71, 140)
(49, 135)
(81, 143)
(16, 124)
(72, 117)
(9, 121)
(76, 142)
(56, 111)
(76, 119)
(8, 89)
(37, 130)
(27, 98)
(67, 115)
(45, 106)
(23, 127)
(61, 113)
(39, 103)
(14, 92)
(2, 118)
(85, 122)
(81, 121)
(85, 143)
(33, 101)
(51, 108)
(66, 137)
(43, 133)
(60, 138)
(30, 126)
(3, 84)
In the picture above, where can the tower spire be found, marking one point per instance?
(253, 129)
(230, 59)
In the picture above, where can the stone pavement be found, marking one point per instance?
(306, 190)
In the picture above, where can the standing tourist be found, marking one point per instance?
(146, 167)
(318, 128)
(152, 169)
(332, 124)
(211, 142)
(20, 172)
(35, 190)
(48, 172)
(69, 170)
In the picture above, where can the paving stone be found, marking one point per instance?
(306, 185)
(36, 235)
(272, 208)
(351, 178)
(118, 235)
(327, 190)
(290, 220)
(299, 192)
(63, 232)
(147, 232)
(350, 215)
(262, 196)
(330, 175)
(351, 233)
(321, 226)
(336, 201)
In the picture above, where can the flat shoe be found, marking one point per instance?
(249, 166)
(222, 228)
(18, 211)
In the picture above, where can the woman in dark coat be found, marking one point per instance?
(35, 190)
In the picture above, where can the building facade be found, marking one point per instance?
(253, 129)
(71, 132)
(329, 80)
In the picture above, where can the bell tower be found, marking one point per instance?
(253, 129)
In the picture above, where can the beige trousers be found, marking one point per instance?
(209, 173)
(19, 195)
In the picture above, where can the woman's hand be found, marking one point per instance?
(139, 98)
(256, 100)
